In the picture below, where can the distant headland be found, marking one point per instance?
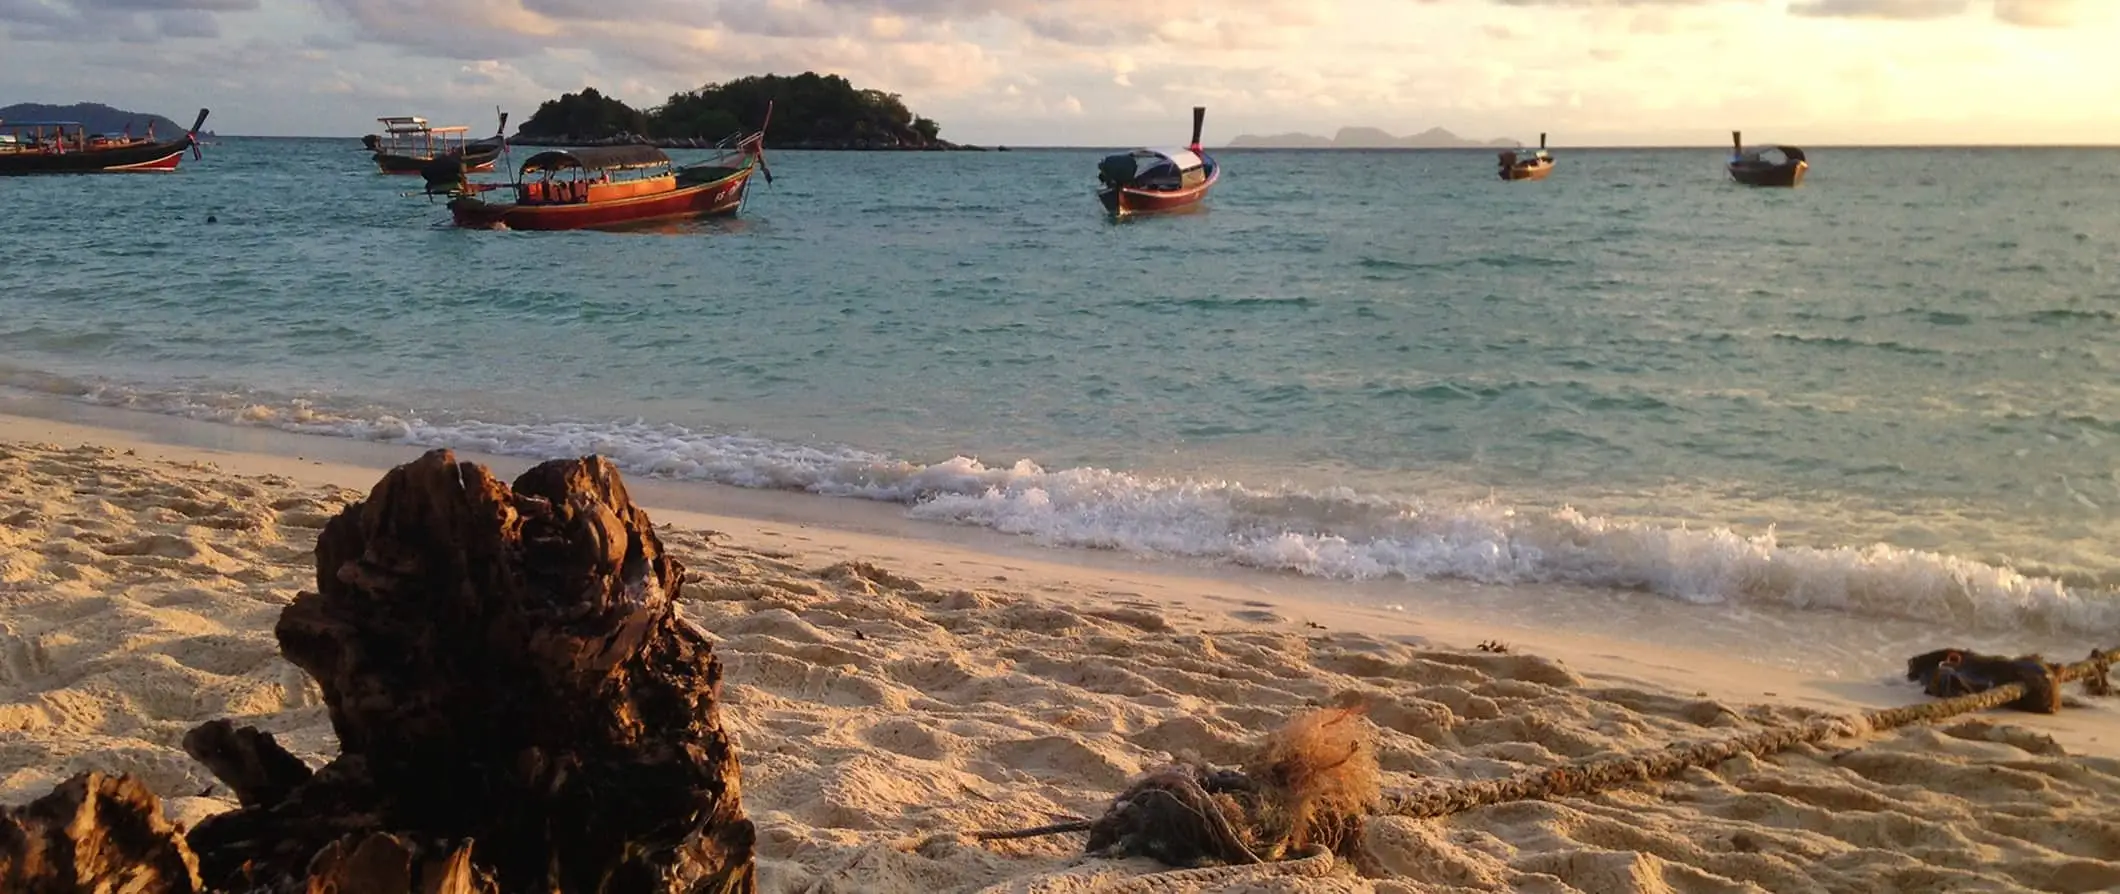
(810, 111)
(1369, 138)
(95, 117)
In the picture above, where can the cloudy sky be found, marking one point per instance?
(1120, 72)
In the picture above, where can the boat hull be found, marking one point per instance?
(718, 197)
(478, 158)
(151, 158)
(1788, 174)
(1527, 172)
(1120, 201)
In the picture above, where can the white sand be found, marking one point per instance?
(887, 690)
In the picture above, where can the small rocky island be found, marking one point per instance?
(95, 117)
(810, 111)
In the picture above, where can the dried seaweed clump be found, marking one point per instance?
(1321, 771)
(1309, 783)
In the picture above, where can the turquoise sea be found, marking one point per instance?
(1893, 392)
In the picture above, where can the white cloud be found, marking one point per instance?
(1120, 71)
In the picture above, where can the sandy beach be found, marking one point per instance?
(890, 692)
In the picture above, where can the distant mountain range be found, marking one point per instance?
(1368, 138)
(96, 117)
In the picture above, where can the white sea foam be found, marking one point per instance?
(1332, 533)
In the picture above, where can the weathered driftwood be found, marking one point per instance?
(518, 705)
(94, 833)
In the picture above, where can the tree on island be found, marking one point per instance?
(587, 113)
(809, 110)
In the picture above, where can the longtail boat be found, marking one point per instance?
(1756, 168)
(604, 187)
(66, 147)
(408, 144)
(1146, 181)
(1527, 164)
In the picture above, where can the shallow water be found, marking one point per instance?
(1891, 392)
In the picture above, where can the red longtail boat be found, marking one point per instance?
(1146, 181)
(66, 147)
(605, 187)
(1527, 164)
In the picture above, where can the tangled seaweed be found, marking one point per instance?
(1309, 783)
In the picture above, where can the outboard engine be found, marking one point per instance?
(1117, 170)
(373, 142)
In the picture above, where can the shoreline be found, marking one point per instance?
(1732, 654)
(887, 693)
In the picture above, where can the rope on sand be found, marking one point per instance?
(1988, 681)
(1586, 777)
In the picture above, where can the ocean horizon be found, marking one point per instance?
(1888, 394)
(1767, 139)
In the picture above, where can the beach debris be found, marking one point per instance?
(1306, 786)
(1493, 646)
(1945, 673)
(518, 704)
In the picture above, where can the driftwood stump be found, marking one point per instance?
(94, 833)
(519, 708)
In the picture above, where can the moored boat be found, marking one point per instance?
(1527, 164)
(1759, 168)
(1146, 181)
(604, 187)
(66, 147)
(408, 144)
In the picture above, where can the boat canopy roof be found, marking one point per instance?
(603, 157)
(1790, 152)
(13, 123)
(1185, 159)
(403, 123)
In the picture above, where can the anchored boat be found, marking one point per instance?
(604, 187)
(1527, 164)
(1759, 168)
(408, 144)
(1146, 181)
(66, 147)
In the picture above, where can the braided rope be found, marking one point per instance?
(1589, 776)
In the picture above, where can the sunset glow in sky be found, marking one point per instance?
(1120, 72)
